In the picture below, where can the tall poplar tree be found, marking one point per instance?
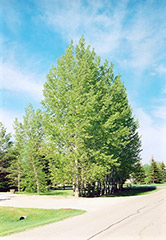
(33, 162)
(93, 135)
(69, 102)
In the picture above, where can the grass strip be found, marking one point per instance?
(10, 218)
(150, 185)
(58, 193)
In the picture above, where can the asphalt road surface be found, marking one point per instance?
(127, 218)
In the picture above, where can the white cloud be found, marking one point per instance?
(11, 15)
(153, 137)
(161, 69)
(74, 18)
(160, 112)
(14, 79)
(140, 39)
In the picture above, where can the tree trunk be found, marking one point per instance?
(75, 190)
(93, 190)
(36, 176)
(18, 182)
(19, 177)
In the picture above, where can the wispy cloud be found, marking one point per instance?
(160, 112)
(161, 69)
(14, 79)
(101, 26)
(153, 137)
(10, 14)
(136, 43)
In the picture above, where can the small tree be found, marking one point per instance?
(147, 169)
(139, 173)
(163, 171)
(34, 178)
(155, 172)
(17, 161)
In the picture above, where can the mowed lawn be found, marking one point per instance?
(56, 193)
(10, 218)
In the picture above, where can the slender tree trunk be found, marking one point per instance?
(98, 189)
(93, 190)
(36, 176)
(75, 190)
(89, 188)
(18, 174)
(121, 185)
(76, 181)
(19, 179)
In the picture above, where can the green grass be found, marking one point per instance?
(150, 185)
(136, 191)
(10, 223)
(63, 193)
(58, 193)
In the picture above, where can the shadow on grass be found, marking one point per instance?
(133, 191)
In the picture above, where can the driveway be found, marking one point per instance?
(127, 218)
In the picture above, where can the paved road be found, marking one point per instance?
(129, 218)
(5, 196)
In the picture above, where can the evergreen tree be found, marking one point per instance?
(155, 172)
(163, 172)
(139, 173)
(5, 157)
(18, 149)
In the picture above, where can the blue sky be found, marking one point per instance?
(129, 33)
